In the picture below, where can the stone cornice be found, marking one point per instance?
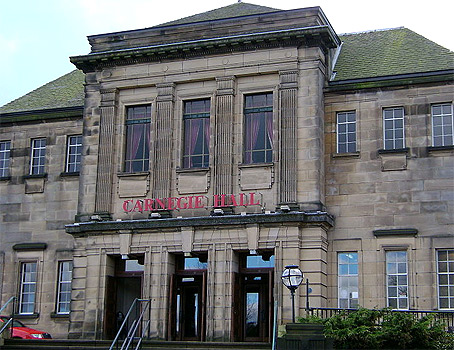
(108, 227)
(322, 36)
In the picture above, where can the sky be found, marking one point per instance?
(37, 37)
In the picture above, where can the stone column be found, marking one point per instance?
(106, 153)
(163, 144)
(223, 135)
(288, 137)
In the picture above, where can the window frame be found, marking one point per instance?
(347, 132)
(349, 277)
(398, 284)
(129, 158)
(394, 129)
(5, 158)
(23, 283)
(38, 152)
(205, 117)
(78, 154)
(267, 111)
(60, 283)
(443, 126)
(449, 273)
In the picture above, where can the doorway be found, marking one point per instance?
(253, 298)
(122, 288)
(187, 306)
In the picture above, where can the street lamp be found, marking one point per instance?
(292, 277)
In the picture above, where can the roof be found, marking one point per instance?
(389, 52)
(64, 92)
(235, 10)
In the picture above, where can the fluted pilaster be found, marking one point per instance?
(288, 136)
(163, 144)
(106, 152)
(223, 135)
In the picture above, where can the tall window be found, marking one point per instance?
(38, 157)
(196, 118)
(258, 135)
(73, 153)
(445, 267)
(346, 132)
(5, 148)
(442, 124)
(138, 121)
(397, 279)
(27, 291)
(347, 266)
(393, 128)
(65, 272)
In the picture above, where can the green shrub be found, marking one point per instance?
(385, 329)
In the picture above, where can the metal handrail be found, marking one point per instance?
(11, 319)
(134, 326)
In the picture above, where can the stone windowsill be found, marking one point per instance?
(5, 178)
(59, 316)
(393, 151)
(255, 165)
(192, 170)
(36, 176)
(440, 148)
(346, 155)
(69, 174)
(26, 316)
(141, 173)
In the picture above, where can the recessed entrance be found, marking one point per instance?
(187, 306)
(122, 288)
(253, 298)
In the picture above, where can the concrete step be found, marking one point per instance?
(54, 344)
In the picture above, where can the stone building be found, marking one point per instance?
(190, 162)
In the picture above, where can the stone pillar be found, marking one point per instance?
(163, 144)
(288, 137)
(106, 153)
(223, 135)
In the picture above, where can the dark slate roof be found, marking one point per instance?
(235, 10)
(389, 52)
(64, 92)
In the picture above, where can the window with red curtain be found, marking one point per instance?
(258, 134)
(138, 121)
(196, 123)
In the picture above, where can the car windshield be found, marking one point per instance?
(16, 323)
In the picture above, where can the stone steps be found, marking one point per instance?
(55, 344)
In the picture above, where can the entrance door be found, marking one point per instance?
(256, 307)
(187, 304)
(189, 308)
(121, 290)
(253, 298)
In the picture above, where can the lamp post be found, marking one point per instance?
(292, 277)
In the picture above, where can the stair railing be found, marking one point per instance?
(136, 322)
(11, 319)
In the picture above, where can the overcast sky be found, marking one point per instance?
(37, 37)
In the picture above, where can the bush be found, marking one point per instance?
(384, 329)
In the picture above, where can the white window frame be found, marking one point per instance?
(28, 286)
(5, 154)
(390, 119)
(37, 156)
(348, 277)
(449, 277)
(398, 273)
(351, 146)
(447, 122)
(64, 279)
(73, 149)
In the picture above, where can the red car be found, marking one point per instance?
(21, 331)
